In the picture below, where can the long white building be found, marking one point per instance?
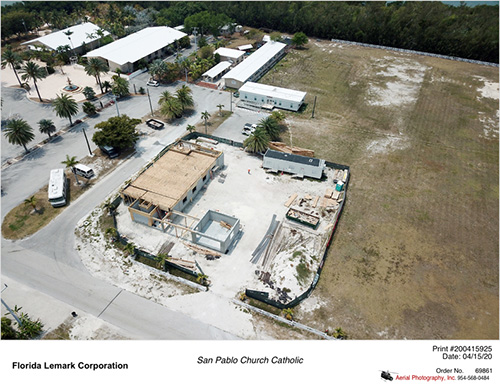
(148, 44)
(256, 65)
(263, 94)
(75, 37)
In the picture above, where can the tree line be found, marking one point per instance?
(467, 32)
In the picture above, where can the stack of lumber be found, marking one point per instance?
(328, 193)
(315, 202)
(291, 200)
(280, 146)
(183, 263)
(225, 225)
(203, 251)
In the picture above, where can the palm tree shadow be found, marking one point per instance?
(35, 154)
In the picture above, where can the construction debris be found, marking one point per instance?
(280, 146)
(203, 251)
(291, 200)
(225, 225)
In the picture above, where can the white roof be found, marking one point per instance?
(229, 53)
(254, 62)
(266, 38)
(216, 70)
(245, 47)
(56, 183)
(273, 91)
(78, 37)
(137, 45)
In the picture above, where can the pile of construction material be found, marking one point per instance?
(280, 146)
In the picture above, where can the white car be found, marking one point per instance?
(248, 129)
(153, 83)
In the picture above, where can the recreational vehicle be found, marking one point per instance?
(57, 187)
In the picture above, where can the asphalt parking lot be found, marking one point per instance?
(232, 127)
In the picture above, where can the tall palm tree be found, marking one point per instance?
(171, 108)
(46, 126)
(220, 106)
(205, 115)
(31, 70)
(19, 132)
(70, 162)
(258, 142)
(95, 67)
(270, 125)
(184, 96)
(14, 59)
(65, 107)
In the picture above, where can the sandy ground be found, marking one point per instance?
(53, 84)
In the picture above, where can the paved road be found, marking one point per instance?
(47, 260)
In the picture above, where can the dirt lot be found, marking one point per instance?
(416, 252)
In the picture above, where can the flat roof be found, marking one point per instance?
(245, 47)
(79, 36)
(229, 52)
(168, 180)
(217, 69)
(273, 91)
(137, 45)
(295, 158)
(254, 62)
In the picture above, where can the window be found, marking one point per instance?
(184, 200)
(204, 178)
(246, 97)
(254, 98)
(194, 189)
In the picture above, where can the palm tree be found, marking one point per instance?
(120, 86)
(46, 126)
(70, 163)
(220, 109)
(202, 279)
(184, 96)
(31, 201)
(288, 313)
(19, 132)
(31, 70)
(95, 67)
(107, 85)
(171, 108)
(205, 115)
(190, 128)
(270, 125)
(65, 107)
(129, 248)
(158, 69)
(278, 116)
(160, 259)
(14, 59)
(165, 96)
(258, 142)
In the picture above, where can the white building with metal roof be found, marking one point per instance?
(74, 37)
(148, 44)
(256, 65)
(263, 94)
(229, 55)
(216, 72)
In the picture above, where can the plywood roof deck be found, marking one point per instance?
(167, 181)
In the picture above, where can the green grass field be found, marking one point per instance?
(416, 251)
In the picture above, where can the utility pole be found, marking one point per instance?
(314, 107)
(116, 104)
(150, 105)
(86, 139)
(231, 102)
(8, 308)
(195, 33)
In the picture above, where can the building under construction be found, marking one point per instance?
(157, 197)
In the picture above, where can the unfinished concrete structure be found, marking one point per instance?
(216, 231)
(295, 164)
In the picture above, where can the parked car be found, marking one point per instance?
(249, 128)
(84, 171)
(153, 83)
(110, 151)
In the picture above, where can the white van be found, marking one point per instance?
(57, 188)
(84, 171)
